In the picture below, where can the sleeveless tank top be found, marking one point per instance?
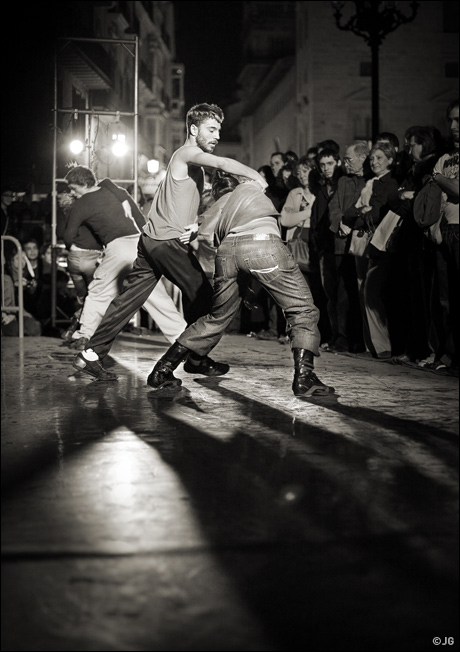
(175, 204)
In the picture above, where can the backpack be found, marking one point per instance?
(427, 205)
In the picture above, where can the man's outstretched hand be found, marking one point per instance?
(190, 230)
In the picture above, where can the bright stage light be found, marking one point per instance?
(119, 147)
(153, 166)
(76, 146)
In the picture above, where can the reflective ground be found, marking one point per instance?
(228, 514)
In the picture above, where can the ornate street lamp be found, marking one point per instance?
(372, 21)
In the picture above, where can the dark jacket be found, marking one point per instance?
(321, 236)
(103, 213)
(348, 190)
(383, 188)
(416, 178)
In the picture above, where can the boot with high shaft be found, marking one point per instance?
(306, 382)
(162, 373)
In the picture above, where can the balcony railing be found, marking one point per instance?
(90, 63)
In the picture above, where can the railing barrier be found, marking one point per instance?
(20, 307)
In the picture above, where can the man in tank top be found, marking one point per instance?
(163, 246)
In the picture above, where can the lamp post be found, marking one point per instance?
(372, 21)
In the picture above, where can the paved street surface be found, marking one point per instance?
(227, 514)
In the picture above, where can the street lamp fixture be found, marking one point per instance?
(119, 146)
(372, 21)
(153, 166)
(76, 146)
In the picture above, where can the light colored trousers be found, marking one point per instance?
(114, 264)
(81, 265)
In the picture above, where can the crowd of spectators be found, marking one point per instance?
(30, 224)
(395, 299)
(35, 263)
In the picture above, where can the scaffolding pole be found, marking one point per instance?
(88, 111)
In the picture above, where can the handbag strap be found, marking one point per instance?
(303, 198)
(299, 235)
(369, 224)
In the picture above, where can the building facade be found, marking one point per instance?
(320, 87)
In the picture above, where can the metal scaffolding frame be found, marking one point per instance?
(132, 47)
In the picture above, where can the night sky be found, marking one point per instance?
(27, 97)
(208, 42)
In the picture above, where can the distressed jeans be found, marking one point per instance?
(267, 259)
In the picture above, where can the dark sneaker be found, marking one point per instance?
(79, 344)
(207, 367)
(162, 376)
(310, 385)
(401, 359)
(437, 367)
(93, 368)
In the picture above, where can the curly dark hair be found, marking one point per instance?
(81, 175)
(222, 183)
(201, 112)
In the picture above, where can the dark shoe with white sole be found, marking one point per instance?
(93, 368)
(207, 367)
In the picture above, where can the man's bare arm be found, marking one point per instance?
(196, 156)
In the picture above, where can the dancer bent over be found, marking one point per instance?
(244, 222)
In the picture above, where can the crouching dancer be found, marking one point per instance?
(244, 224)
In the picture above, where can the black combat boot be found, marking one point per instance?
(162, 373)
(306, 382)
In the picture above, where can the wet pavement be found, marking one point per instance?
(227, 514)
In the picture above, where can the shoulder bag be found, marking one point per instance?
(359, 243)
(427, 205)
(300, 249)
(360, 240)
